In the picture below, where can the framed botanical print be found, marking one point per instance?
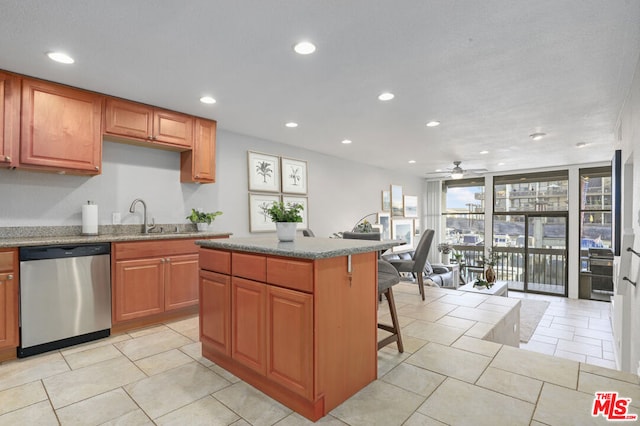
(259, 219)
(386, 201)
(384, 220)
(264, 172)
(410, 206)
(286, 199)
(402, 229)
(294, 176)
(396, 201)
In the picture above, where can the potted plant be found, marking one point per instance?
(490, 261)
(445, 249)
(202, 219)
(286, 217)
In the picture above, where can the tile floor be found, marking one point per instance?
(445, 376)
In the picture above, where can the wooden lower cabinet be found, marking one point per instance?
(8, 302)
(309, 349)
(152, 278)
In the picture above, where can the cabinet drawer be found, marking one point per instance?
(215, 260)
(155, 248)
(6, 261)
(294, 274)
(251, 266)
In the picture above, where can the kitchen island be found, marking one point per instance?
(296, 320)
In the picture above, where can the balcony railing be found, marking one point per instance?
(547, 267)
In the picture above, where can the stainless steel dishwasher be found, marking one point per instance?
(65, 296)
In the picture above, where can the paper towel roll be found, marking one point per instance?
(90, 219)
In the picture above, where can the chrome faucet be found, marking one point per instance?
(145, 228)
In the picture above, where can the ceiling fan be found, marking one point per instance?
(457, 172)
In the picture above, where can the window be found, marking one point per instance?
(595, 210)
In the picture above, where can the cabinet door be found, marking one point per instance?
(248, 331)
(173, 128)
(215, 311)
(61, 128)
(181, 285)
(138, 288)
(290, 339)
(199, 164)
(8, 299)
(9, 119)
(128, 119)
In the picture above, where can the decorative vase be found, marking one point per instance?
(286, 231)
(202, 226)
(445, 258)
(490, 274)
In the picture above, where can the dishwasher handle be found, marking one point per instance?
(63, 251)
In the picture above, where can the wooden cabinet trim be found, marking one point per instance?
(10, 94)
(250, 266)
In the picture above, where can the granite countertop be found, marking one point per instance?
(53, 235)
(302, 247)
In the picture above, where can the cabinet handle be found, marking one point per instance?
(10, 277)
(97, 168)
(162, 260)
(168, 260)
(150, 137)
(7, 158)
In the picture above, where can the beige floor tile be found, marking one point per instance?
(76, 385)
(476, 315)
(148, 330)
(411, 344)
(456, 322)
(95, 344)
(478, 346)
(414, 379)
(133, 418)
(600, 324)
(21, 371)
(183, 385)
(466, 299)
(537, 366)
(378, 403)
(388, 358)
(92, 356)
(184, 324)
(21, 396)
(561, 406)
(40, 414)
(151, 344)
(553, 332)
(601, 362)
(579, 348)
(587, 340)
(502, 309)
(251, 404)
(612, 374)
(432, 332)
(480, 330)
(544, 339)
(504, 382)
(419, 312)
(207, 411)
(460, 403)
(592, 383)
(419, 419)
(163, 361)
(573, 322)
(595, 334)
(224, 374)
(98, 409)
(540, 347)
(449, 361)
(295, 419)
(194, 350)
(570, 355)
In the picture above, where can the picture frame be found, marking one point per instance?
(397, 206)
(402, 229)
(264, 172)
(410, 206)
(386, 201)
(259, 220)
(384, 220)
(305, 209)
(294, 176)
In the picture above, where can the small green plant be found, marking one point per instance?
(197, 216)
(364, 226)
(281, 212)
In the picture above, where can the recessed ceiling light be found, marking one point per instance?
(500, 164)
(63, 58)
(291, 124)
(433, 123)
(581, 144)
(386, 96)
(484, 152)
(304, 48)
(346, 141)
(207, 100)
(537, 136)
(412, 161)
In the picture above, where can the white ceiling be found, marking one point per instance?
(492, 71)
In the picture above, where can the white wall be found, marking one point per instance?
(340, 192)
(629, 134)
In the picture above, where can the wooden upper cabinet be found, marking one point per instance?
(199, 164)
(141, 122)
(9, 119)
(60, 128)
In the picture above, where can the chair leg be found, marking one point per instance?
(395, 328)
(421, 285)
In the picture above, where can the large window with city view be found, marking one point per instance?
(530, 224)
(595, 211)
(464, 218)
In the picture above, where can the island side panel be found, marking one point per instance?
(345, 326)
